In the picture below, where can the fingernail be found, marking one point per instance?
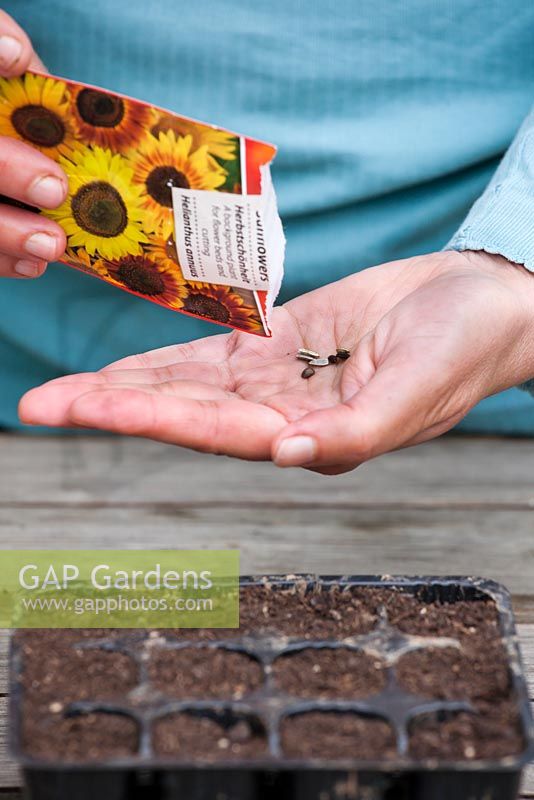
(296, 451)
(28, 269)
(48, 192)
(42, 245)
(10, 50)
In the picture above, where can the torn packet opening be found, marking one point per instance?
(234, 240)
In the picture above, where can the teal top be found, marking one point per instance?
(390, 118)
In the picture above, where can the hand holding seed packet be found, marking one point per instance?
(169, 209)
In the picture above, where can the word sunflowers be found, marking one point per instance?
(122, 159)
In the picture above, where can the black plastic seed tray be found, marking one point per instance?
(145, 774)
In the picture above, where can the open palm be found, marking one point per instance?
(419, 362)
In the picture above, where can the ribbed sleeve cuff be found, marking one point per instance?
(502, 219)
(501, 222)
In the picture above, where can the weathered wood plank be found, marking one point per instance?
(452, 470)
(526, 639)
(9, 774)
(523, 608)
(527, 788)
(498, 545)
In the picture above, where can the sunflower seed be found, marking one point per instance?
(319, 362)
(307, 373)
(305, 352)
(343, 354)
(304, 357)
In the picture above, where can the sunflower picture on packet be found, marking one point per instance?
(172, 210)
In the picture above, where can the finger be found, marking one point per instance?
(232, 427)
(201, 373)
(50, 404)
(21, 268)
(194, 371)
(210, 348)
(16, 50)
(30, 236)
(422, 436)
(386, 413)
(29, 176)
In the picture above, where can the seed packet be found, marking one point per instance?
(170, 209)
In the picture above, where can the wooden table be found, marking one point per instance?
(455, 506)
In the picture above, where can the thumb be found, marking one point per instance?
(392, 408)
